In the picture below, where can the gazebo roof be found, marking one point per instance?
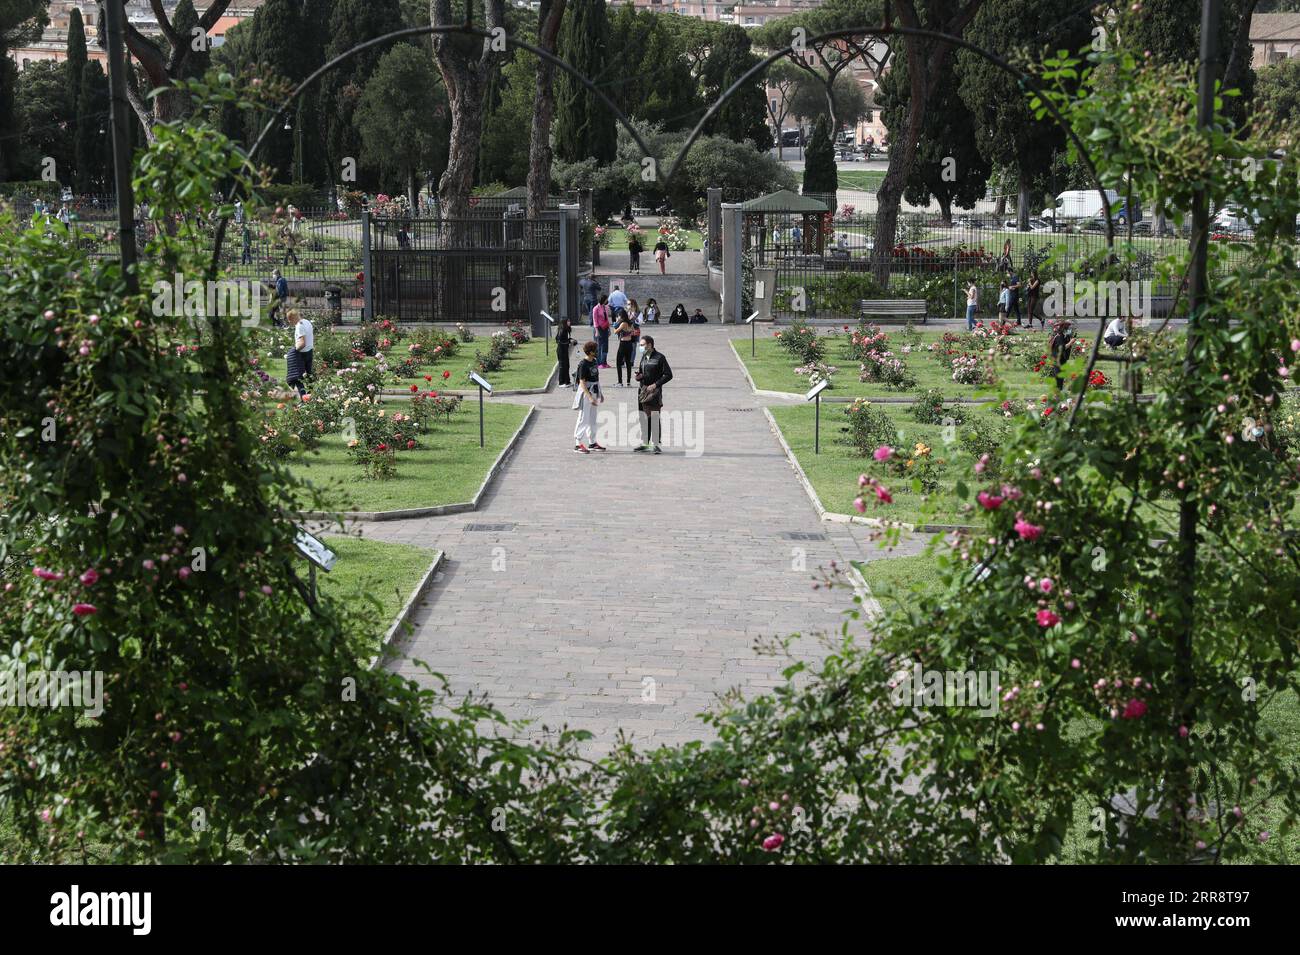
(783, 201)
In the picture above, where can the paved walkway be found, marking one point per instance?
(628, 589)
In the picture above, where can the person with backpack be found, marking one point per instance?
(1013, 301)
(626, 347)
(585, 401)
(600, 316)
(653, 373)
(634, 249)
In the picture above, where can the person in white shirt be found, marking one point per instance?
(617, 299)
(1116, 333)
(304, 342)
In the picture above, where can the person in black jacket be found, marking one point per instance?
(679, 316)
(653, 374)
(563, 342)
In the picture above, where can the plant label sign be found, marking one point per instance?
(315, 550)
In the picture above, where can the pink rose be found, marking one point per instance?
(46, 574)
(84, 610)
(773, 842)
(883, 453)
(1026, 530)
(183, 573)
(1134, 709)
(90, 578)
(990, 502)
(1045, 585)
(1047, 619)
(859, 505)
(883, 495)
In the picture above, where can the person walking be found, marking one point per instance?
(972, 304)
(246, 254)
(290, 239)
(563, 342)
(651, 314)
(662, 255)
(1004, 301)
(1013, 302)
(304, 343)
(586, 400)
(280, 301)
(626, 347)
(634, 250)
(1034, 293)
(653, 373)
(600, 316)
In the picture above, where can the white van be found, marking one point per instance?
(1080, 204)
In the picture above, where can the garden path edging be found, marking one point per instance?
(838, 518)
(510, 393)
(437, 510)
(403, 618)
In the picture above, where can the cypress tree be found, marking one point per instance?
(820, 174)
(76, 61)
(352, 22)
(91, 147)
(584, 126)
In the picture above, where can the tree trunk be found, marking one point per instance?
(902, 153)
(549, 17)
(1000, 207)
(1022, 204)
(945, 209)
(465, 63)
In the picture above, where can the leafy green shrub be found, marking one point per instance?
(929, 408)
(868, 428)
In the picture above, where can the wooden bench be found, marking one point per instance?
(898, 309)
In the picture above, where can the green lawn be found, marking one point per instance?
(447, 469)
(896, 578)
(377, 571)
(616, 241)
(861, 180)
(834, 472)
(773, 370)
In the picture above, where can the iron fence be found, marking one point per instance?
(461, 270)
(824, 277)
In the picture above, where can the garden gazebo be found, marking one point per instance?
(781, 206)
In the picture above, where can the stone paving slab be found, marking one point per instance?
(632, 589)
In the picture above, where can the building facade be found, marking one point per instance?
(1274, 37)
(53, 44)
